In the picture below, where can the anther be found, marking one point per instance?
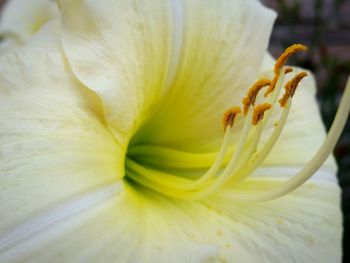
(259, 112)
(250, 98)
(290, 88)
(229, 116)
(288, 70)
(244, 159)
(282, 59)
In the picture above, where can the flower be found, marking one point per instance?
(112, 113)
(21, 19)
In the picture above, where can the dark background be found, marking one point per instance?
(324, 26)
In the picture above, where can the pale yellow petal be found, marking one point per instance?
(303, 226)
(223, 45)
(141, 226)
(120, 50)
(129, 227)
(53, 141)
(176, 64)
(21, 19)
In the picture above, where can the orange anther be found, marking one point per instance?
(259, 112)
(290, 88)
(288, 70)
(229, 116)
(250, 98)
(282, 59)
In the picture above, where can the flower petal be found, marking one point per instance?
(53, 143)
(21, 19)
(120, 50)
(141, 226)
(303, 226)
(181, 62)
(223, 46)
(129, 227)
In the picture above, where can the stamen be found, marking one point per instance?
(169, 157)
(250, 98)
(161, 178)
(290, 88)
(282, 59)
(312, 166)
(232, 165)
(288, 70)
(243, 159)
(168, 180)
(259, 111)
(248, 168)
(229, 117)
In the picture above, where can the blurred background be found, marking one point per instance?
(324, 26)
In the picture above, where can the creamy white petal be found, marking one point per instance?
(53, 141)
(178, 64)
(223, 45)
(120, 50)
(21, 19)
(303, 226)
(6, 45)
(141, 226)
(130, 227)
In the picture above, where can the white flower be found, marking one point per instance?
(113, 110)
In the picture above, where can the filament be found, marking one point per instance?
(232, 165)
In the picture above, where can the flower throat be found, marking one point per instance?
(246, 157)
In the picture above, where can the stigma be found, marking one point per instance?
(232, 167)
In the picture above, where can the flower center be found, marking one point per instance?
(234, 165)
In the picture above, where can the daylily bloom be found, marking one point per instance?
(162, 131)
